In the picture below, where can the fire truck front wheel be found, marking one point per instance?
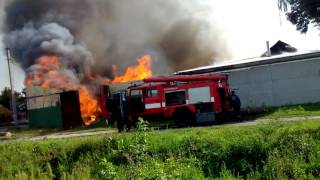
(183, 117)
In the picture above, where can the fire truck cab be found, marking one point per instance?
(188, 100)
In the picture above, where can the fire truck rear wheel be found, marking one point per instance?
(184, 117)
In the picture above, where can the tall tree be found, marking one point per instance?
(301, 13)
(5, 97)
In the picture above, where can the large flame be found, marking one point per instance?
(138, 72)
(89, 106)
(50, 74)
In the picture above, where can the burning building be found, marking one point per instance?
(53, 108)
(69, 105)
(77, 45)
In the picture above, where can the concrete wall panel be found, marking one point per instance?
(278, 84)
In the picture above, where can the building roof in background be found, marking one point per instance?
(246, 63)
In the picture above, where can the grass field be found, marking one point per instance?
(303, 110)
(270, 151)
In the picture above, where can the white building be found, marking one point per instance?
(272, 81)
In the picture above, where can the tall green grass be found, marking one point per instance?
(311, 109)
(272, 151)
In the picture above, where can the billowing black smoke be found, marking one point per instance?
(68, 13)
(92, 35)
(35, 28)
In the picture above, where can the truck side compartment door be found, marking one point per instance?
(204, 104)
(199, 95)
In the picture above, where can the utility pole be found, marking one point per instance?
(13, 97)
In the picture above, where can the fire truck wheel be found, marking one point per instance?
(183, 117)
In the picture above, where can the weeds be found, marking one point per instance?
(270, 151)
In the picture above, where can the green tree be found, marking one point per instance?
(5, 97)
(301, 13)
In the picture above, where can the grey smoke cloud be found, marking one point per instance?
(95, 34)
(2, 13)
(29, 43)
(68, 13)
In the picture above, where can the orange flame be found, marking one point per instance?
(48, 75)
(89, 106)
(138, 72)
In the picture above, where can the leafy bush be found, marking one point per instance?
(5, 114)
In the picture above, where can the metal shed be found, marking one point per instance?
(52, 108)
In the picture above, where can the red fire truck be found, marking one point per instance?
(188, 100)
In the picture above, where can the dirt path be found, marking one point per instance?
(72, 135)
(64, 135)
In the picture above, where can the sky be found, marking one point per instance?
(247, 25)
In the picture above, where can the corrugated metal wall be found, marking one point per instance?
(44, 101)
(44, 111)
(49, 117)
(53, 108)
(70, 109)
(39, 91)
